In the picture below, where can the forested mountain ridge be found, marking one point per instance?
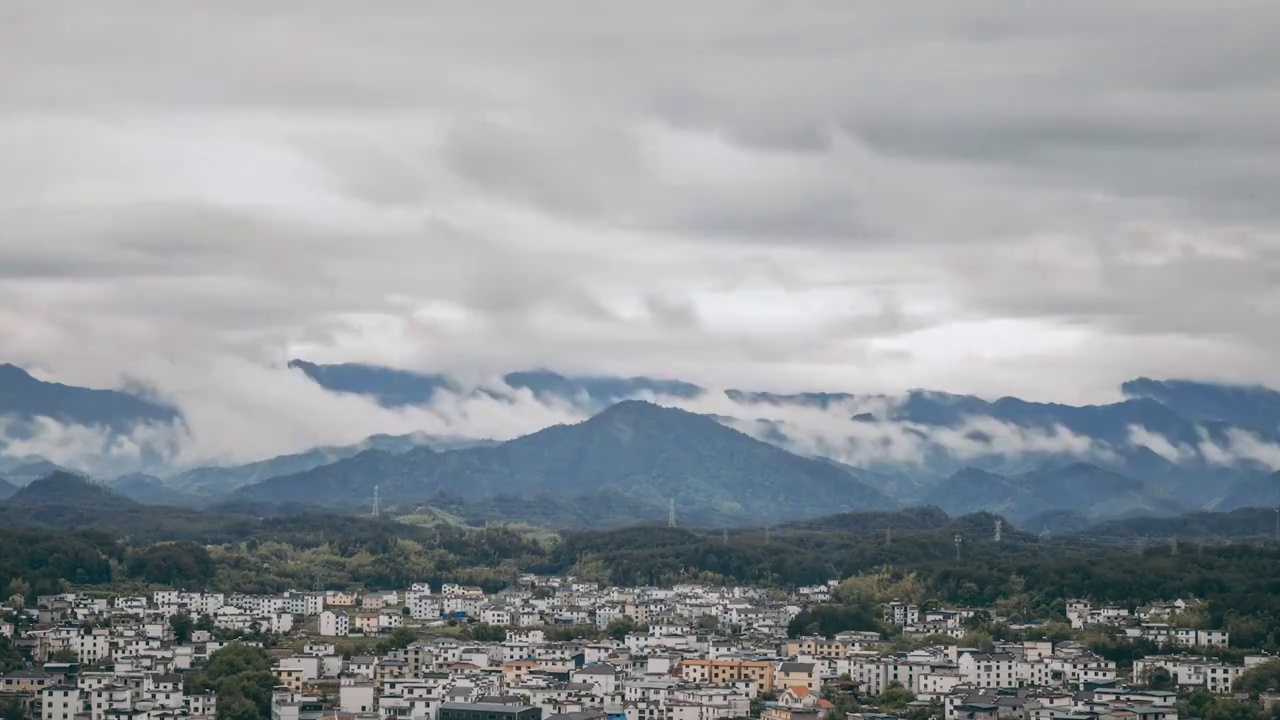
(1169, 447)
(214, 482)
(25, 397)
(1029, 576)
(68, 490)
(637, 450)
(400, 388)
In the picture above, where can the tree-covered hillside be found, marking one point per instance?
(636, 451)
(1025, 575)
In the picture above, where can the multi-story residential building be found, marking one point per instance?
(334, 624)
(687, 665)
(728, 672)
(988, 670)
(797, 674)
(901, 613)
(60, 702)
(1216, 676)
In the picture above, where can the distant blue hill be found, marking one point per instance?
(25, 397)
(391, 388)
(399, 388)
(1245, 406)
(644, 453)
(1122, 477)
(21, 471)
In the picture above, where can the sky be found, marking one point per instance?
(1032, 199)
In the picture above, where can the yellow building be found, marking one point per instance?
(290, 678)
(817, 647)
(366, 623)
(26, 681)
(513, 671)
(725, 672)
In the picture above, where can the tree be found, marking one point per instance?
(19, 587)
(981, 640)
(827, 620)
(1158, 678)
(64, 656)
(542, 592)
(880, 586)
(977, 620)
(620, 628)
(242, 677)
(11, 709)
(895, 697)
(1055, 632)
(399, 639)
(10, 658)
(182, 625)
(1197, 704)
(842, 701)
(172, 564)
(482, 632)
(1260, 678)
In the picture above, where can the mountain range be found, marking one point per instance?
(1167, 448)
(214, 482)
(68, 489)
(23, 398)
(400, 388)
(1082, 488)
(642, 452)
(20, 471)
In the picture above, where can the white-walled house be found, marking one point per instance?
(334, 624)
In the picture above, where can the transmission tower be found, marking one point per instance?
(1278, 523)
(958, 541)
(319, 580)
(767, 529)
(671, 513)
(999, 524)
(1173, 546)
(725, 536)
(375, 501)
(888, 537)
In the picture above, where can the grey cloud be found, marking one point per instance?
(1042, 200)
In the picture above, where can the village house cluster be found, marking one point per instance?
(688, 652)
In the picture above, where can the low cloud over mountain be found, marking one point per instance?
(1167, 448)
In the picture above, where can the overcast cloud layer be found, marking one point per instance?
(1040, 199)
